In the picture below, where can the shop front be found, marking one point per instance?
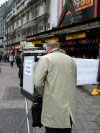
(12, 48)
(79, 40)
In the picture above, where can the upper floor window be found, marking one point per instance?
(17, 24)
(27, 16)
(36, 11)
(41, 8)
(22, 20)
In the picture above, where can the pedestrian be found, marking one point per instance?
(11, 59)
(18, 59)
(0, 58)
(7, 58)
(55, 80)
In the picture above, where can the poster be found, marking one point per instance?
(28, 67)
(85, 10)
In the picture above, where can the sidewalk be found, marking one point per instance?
(12, 103)
(12, 106)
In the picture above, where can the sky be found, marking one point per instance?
(2, 1)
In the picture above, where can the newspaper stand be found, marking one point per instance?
(29, 59)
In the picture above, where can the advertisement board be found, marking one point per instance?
(85, 9)
(28, 77)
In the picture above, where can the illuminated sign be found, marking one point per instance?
(82, 4)
(52, 39)
(85, 9)
(36, 42)
(76, 36)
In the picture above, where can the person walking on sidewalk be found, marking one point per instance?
(55, 80)
(11, 59)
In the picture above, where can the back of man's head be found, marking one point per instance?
(51, 45)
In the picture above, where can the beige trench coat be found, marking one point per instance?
(55, 79)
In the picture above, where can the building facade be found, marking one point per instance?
(28, 17)
(3, 9)
(25, 18)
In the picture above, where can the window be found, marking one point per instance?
(27, 16)
(22, 20)
(41, 9)
(33, 12)
(17, 24)
(14, 25)
(36, 11)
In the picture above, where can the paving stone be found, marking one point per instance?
(85, 131)
(83, 111)
(80, 118)
(97, 107)
(39, 130)
(78, 125)
(88, 117)
(92, 111)
(97, 131)
(74, 131)
(90, 125)
(10, 120)
(12, 93)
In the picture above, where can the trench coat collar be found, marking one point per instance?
(57, 50)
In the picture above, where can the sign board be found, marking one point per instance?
(30, 59)
(76, 36)
(87, 70)
(28, 77)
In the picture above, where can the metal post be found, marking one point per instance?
(27, 117)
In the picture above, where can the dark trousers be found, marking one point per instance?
(56, 130)
(11, 63)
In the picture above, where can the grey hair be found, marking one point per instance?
(52, 45)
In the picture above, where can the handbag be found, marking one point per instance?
(36, 111)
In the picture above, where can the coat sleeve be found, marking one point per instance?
(40, 75)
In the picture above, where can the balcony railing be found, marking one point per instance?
(42, 17)
(29, 24)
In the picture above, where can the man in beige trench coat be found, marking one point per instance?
(55, 80)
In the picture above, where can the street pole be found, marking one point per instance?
(28, 126)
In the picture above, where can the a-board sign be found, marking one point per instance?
(30, 59)
(28, 76)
